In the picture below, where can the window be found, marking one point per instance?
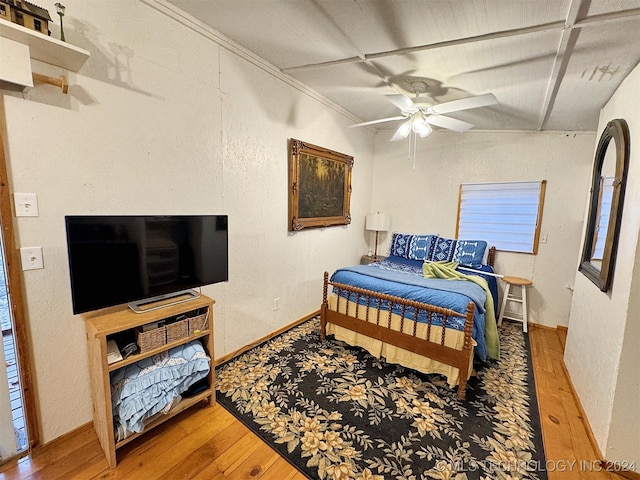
(37, 25)
(3, 10)
(506, 214)
(604, 211)
(19, 18)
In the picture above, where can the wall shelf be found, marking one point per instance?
(45, 49)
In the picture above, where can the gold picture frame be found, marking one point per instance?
(319, 186)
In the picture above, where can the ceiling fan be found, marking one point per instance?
(421, 111)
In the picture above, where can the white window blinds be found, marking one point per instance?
(506, 215)
(604, 210)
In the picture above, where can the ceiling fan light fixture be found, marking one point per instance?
(424, 130)
(405, 129)
(418, 123)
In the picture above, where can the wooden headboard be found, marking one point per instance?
(491, 256)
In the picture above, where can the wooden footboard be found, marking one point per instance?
(381, 330)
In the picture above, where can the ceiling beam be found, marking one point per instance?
(466, 40)
(621, 16)
(566, 46)
(448, 43)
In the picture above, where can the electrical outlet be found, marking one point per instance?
(31, 258)
(543, 238)
(276, 304)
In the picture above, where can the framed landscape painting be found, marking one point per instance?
(319, 186)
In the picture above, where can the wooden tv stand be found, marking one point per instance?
(102, 324)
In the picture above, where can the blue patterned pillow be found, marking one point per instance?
(421, 246)
(443, 250)
(400, 243)
(469, 253)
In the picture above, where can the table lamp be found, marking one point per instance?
(378, 222)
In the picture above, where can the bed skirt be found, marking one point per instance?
(391, 353)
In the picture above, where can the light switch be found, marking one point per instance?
(31, 258)
(26, 204)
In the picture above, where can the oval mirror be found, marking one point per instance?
(605, 205)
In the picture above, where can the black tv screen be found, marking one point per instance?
(122, 259)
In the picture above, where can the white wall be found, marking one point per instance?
(425, 200)
(602, 353)
(161, 120)
(260, 114)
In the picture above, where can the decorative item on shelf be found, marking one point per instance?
(60, 11)
(27, 15)
(113, 353)
(177, 330)
(199, 323)
(151, 336)
(378, 222)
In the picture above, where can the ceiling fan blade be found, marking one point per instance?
(403, 102)
(464, 104)
(449, 123)
(373, 122)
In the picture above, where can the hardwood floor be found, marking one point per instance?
(567, 440)
(209, 443)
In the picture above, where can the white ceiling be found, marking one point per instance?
(552, 64)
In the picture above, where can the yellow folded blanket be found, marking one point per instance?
(447, 270)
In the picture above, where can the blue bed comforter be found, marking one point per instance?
(402, 280)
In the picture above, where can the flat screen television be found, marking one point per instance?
(138, 259)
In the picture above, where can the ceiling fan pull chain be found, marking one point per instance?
(415, 148)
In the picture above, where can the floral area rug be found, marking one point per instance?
(336, 412)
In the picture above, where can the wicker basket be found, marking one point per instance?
(198, 323)
(177, 330)
(151, 339)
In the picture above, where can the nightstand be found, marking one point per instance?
(367, 259)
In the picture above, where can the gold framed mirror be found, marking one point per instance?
(605, 206)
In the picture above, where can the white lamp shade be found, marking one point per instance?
(378, 221)
(405, 129)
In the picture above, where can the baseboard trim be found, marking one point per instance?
(64, 438)
(605, 465)
(241, 350)
(583, 415)
(547, 327)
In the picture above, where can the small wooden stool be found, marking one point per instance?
(523, 283)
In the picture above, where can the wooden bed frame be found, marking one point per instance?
(371, 326)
